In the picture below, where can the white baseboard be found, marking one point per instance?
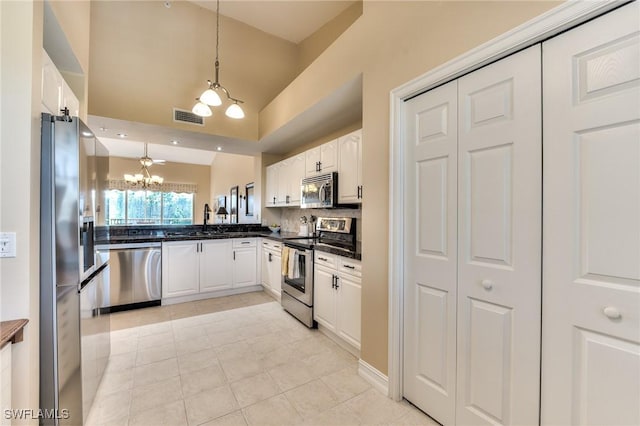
(210, 295)
(372, 375)
(339, 341)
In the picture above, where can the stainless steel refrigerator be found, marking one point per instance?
(70, 270)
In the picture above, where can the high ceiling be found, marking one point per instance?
(290, 20)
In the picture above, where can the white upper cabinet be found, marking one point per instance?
(322, 159)
(296, 174)
(56, 93)
(350, 168)
(283, 183)
(272, 185)
(51, 85)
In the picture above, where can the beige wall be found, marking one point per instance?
(171, 172)
(415, 37)
(141, 50)
(20, 73)
(228, 170)
(312, 46)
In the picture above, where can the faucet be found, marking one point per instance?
(207, 210)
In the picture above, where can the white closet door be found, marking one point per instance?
(591, 309)
(430, 249)
(499, 260)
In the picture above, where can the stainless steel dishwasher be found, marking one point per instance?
(136, 275)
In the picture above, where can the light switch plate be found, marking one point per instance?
(7, 244)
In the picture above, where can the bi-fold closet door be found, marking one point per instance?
(473, 247)
(473, 235)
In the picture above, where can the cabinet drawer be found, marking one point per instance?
(272, 245)
(349, 266)
(326, 259)
(244, 242)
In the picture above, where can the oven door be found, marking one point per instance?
(297, 276)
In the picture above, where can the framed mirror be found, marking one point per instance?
(233, 204)
(249, 196)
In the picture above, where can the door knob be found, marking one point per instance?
(487, 284)
(612, 312)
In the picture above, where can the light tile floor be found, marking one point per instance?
(237, 360)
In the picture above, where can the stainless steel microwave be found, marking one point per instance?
(319, 192)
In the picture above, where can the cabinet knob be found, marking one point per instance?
(612, 312)
(487, 284)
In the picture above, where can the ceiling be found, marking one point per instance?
(291, 20)
(336, 111)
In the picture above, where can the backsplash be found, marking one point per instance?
(290, 217)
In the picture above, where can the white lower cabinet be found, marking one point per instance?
(192, 267)
(245, 262)
(337, 294)
(271, 266)
(215, 273)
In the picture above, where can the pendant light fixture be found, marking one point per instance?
(144, 179)
(211, 96)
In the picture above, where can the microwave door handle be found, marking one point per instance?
(321, 193)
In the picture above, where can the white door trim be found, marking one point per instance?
(558, 19)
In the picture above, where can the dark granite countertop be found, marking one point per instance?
(126, 235)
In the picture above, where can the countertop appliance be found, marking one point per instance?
(136, 275)
(320, 191)
(68, 262)
(297, 264)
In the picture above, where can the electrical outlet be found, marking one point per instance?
(7, 244)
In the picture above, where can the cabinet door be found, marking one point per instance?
(296, 173)
(324, 297)
(283, 182)
(264, 276)
(499, 244)
(51, 85)
(179, 269)
(275, 273)
(329, 157)
(244, 267)
(272, 185)
(348, 309)
(215, 265)
(349, 149)
(70, 100)
(591, 297)
(312, 160)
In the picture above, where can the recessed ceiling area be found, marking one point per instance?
(291, 20)
(176, 154)
(336, 111)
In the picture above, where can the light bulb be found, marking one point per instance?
(210, 97)
(201, 109)
(234, 111)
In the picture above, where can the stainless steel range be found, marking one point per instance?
(297, 264)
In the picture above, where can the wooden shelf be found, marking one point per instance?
(11, 331)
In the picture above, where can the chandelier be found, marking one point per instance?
(144, 179)
(211, 96)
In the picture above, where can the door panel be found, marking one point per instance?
(215, 267)
(591, 306)
(499, 262)
(431, 252)
(324, 298)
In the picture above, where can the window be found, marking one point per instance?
(143, 207)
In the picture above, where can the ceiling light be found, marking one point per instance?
(144, 179)
(219, 148)
(122, 135)
(104, 129)
(87, 134)
(211, 96)
(175, 142)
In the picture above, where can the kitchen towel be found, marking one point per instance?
(284, 267)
